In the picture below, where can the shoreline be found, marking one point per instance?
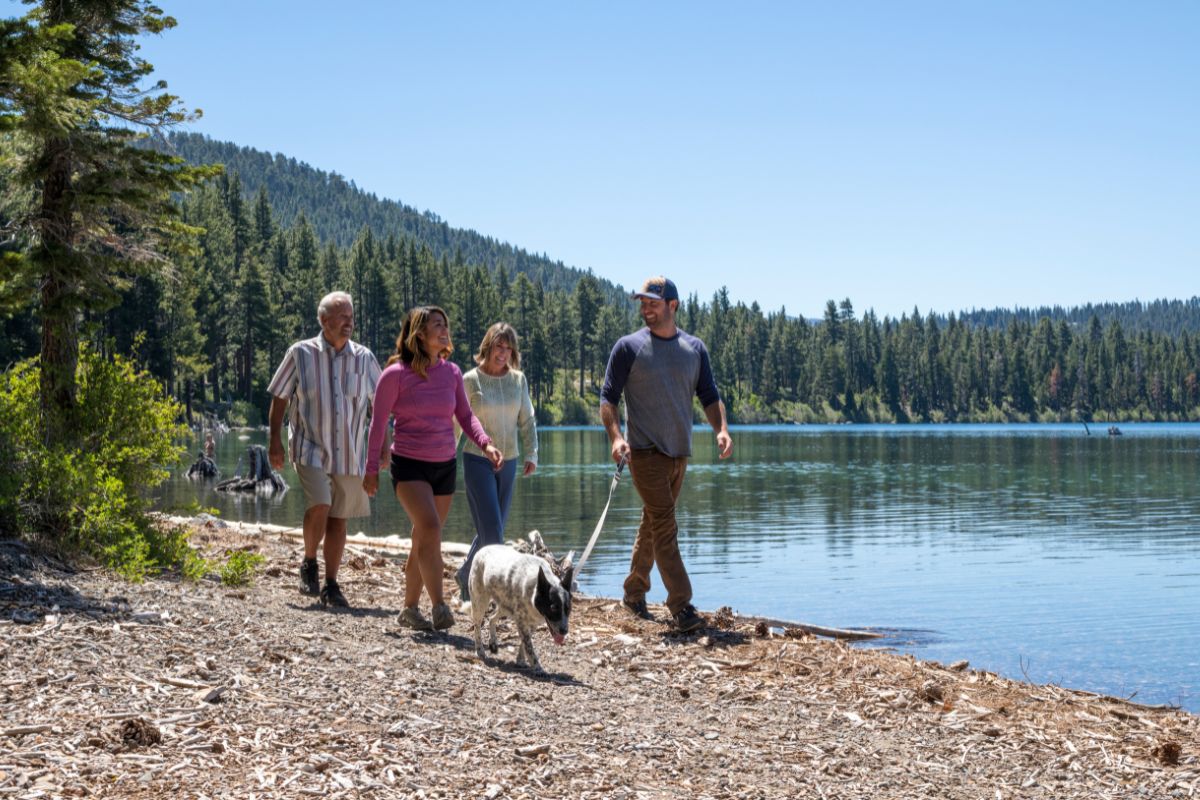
(119, 690)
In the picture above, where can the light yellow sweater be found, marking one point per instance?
(506, 411)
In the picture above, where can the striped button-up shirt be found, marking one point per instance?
(331, 396)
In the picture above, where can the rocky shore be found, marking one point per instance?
(167, 688)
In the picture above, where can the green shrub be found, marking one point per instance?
(195, 567)
(245, 415)
(92, 497)
(579, 411)
(239, 569)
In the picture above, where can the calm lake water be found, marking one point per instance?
(1030, 550)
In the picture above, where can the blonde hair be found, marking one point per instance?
(504, 332)
(409, 346)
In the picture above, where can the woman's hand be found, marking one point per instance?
(371, 484)
(495, 456)
(529, 468)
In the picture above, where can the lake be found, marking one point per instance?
(1034, 551)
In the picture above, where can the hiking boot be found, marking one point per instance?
(310, 580)
(688, 620)
(332, 595)
(443, 617)
(638, 608)
(411, 617)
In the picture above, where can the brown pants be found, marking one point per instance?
(658, 479)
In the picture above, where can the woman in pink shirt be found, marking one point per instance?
(423, 393)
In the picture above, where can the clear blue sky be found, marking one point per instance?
(944, 155)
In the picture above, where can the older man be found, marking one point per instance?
(659, 369)
(330, 382)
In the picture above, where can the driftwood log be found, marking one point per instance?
(261, 478)
(846, 634)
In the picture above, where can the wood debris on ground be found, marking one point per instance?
(111, 689)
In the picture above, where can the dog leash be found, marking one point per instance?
(596, 533)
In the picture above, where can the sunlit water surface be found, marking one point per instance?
(1030, 550)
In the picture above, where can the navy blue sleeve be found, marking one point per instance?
(706, 384)
(620, 362)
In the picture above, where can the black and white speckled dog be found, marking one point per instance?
(523, 588)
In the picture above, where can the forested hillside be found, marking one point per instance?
(214, 326)
(338, 210)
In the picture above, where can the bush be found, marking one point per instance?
(245, 415)
(92, 497)
(239, 569)
(577, 410)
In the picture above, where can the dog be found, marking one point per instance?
(523, 588)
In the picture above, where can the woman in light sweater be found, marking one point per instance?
(423, 393)
(499, 396)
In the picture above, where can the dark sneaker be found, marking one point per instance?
(638, 607)
(688, 620)
(310, 581)
(332, 595)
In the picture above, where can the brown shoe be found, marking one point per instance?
(443, 617)
(638, 608)
(412, 617)
(688, 620)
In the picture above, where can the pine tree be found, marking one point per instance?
(73, 98)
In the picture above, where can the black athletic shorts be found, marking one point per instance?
(441, 475)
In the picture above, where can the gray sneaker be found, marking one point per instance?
(412, 617)
(443, 617)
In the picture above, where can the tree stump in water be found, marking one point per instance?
(261, 477)
(204, 467)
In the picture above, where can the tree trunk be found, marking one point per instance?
(60, 323)
(60, 357)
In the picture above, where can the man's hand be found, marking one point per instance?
(275, 453)
(724, 444)
(620, 449)
(371, 484)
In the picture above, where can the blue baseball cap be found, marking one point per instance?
(657, 289)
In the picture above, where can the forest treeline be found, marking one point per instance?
(1172, 317)
(213, 327)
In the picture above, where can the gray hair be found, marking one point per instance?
(330, 300)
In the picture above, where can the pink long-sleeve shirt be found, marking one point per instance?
(424, 410)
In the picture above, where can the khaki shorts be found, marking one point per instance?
(343, 494)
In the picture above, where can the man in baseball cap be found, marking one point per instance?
(659, 369)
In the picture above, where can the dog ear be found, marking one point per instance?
(568, 578)
(543, 585)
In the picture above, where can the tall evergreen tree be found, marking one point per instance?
(73, 98)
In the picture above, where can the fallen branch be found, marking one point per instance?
(817, 630)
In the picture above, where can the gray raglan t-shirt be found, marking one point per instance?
(659, 377)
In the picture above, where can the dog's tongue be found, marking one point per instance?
(558, 637)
